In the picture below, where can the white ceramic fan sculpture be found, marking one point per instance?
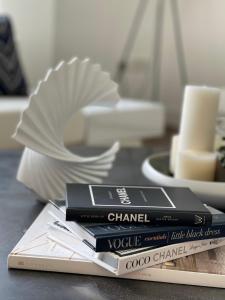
(46, 164)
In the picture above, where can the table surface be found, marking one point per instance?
(18, 209)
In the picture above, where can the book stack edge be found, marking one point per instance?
(54, 244)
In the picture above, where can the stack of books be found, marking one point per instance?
(146, 233)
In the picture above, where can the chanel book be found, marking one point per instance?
(135, 204)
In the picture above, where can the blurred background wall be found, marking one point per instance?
(34, 30)
(98, 29)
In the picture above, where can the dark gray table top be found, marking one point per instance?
(19, 207)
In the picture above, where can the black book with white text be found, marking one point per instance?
(167, 206)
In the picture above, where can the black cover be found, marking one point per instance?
(135, 204)
(113, 237)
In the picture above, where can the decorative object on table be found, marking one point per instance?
(198, 120)
(193, 158)
(12, 80)
(196, 165)
(197, 134)
(219, 142)
(46, 163)
(156, 169)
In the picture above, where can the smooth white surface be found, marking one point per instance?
(196, 165)
(64, 91)
(212, 193)
(47, 165)
(198, 119)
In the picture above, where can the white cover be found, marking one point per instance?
(46, 163)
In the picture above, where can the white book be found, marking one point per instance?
(125, 261)
(35, 251)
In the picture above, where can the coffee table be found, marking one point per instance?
(18, 209)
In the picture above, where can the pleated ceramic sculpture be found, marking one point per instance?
(46, 164)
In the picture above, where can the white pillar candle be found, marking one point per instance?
(173, 153)
(196, 165)
(197, 129)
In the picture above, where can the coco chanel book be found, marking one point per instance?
(135, 204)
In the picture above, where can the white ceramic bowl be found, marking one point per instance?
(156, 169)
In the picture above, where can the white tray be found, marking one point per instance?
(156, 169)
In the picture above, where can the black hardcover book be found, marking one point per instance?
(112, 237)
(135, 204)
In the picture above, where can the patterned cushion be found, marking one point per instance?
(12, 81)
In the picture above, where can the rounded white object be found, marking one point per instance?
(196, 165)
(156, 169)
(47, 165)
(198, 119)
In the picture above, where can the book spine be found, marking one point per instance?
(161, 218)
(178, 277)
(159, 237)
(56, 265)
(163, 254)
(90, 268)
